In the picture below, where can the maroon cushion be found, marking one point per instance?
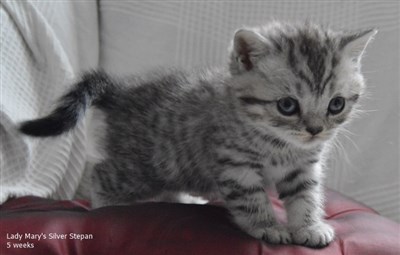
(161, 228)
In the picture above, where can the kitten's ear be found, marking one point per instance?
(354, 44)
(247, 46)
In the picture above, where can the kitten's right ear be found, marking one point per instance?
(354, 44)
(248, 45)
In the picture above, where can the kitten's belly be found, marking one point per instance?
(96, 130)
(194, 182)
(94, 134)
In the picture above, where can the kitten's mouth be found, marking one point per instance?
(306, 140)
(310, 139)
(313, 138)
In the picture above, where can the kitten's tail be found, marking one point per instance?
(71, 107)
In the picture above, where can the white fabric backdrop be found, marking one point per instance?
(43, 48)
(139, 35)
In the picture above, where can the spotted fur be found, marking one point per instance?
(216, 132)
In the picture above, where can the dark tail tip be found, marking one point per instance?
(71, 107)
(48, 126)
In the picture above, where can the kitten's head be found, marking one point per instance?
(301, 82)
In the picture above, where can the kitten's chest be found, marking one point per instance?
(280, 163)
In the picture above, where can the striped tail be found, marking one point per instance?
(71, 107)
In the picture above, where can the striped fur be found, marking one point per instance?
(217, 132)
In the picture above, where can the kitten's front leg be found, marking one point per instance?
(242, 188)
(302, 193)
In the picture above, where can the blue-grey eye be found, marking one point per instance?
(288, 106)
(336, 105)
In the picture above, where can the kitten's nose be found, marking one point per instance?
(314, 130)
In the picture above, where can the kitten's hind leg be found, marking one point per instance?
(114, 185)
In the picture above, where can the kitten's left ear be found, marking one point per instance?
(353, 45)
(248, 45)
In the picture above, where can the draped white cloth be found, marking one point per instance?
(44, 45)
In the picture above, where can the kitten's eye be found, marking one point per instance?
(288, 106)
(336, 105)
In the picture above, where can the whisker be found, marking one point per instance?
(351, 141)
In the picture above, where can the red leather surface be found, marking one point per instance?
(161, 228)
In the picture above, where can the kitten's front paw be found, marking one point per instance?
(276, 234)
(318, 235)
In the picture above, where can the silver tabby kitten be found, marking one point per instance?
(231, 134)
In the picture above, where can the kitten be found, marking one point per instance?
(265, 122)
